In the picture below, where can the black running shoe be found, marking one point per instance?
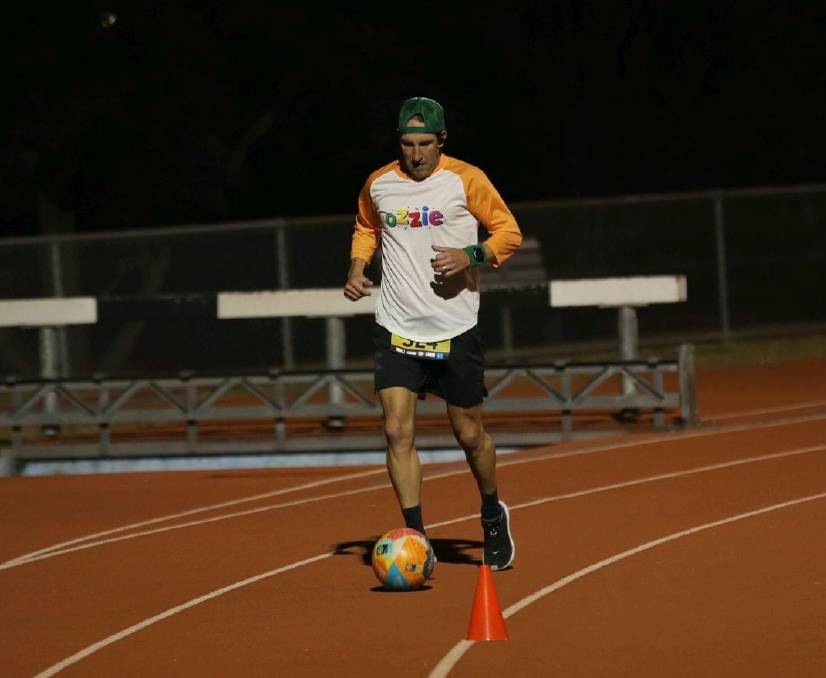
(499, 548)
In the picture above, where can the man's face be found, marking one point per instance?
(420, 152)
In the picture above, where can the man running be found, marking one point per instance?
(424, 210)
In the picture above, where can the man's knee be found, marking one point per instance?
(399, 432)
(470, 435)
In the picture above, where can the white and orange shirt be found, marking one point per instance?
(407, 218)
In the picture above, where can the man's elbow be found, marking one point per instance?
(516, 238)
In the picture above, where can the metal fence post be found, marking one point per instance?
(688, 391)
(336, 357)
(628, 331)
(52, 340)
(659, 386)
(722, 274)
(58, 289)
(282, 261)
(49, 369)
(191, 399)
(567, 392)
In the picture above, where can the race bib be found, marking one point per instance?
(429, 350)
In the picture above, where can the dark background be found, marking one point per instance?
(196, 112)
(208, 112)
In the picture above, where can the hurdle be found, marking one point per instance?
(49, 314)
(560, 389)
(330, 304)
(626, 294)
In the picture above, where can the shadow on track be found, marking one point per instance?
(454, 551)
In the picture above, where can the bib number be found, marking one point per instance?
(429, 350)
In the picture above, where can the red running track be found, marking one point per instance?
(681, 554)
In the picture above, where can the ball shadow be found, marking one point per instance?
(382, 589)
(452, 551)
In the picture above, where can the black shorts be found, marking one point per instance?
(460, 379)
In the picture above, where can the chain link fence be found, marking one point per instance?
(752, 257)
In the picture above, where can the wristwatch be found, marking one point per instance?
(477, 255)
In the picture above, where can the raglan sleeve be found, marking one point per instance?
(367, 229)
(485, 203)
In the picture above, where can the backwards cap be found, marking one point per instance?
(431, 112)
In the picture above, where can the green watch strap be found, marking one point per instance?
(476, 254)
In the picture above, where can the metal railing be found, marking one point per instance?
(66, 418)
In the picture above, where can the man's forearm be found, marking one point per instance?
(357, 266)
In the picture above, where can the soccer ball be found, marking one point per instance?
(402, 559)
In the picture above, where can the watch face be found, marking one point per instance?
(479, 254)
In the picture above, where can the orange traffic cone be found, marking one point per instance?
(486, 621)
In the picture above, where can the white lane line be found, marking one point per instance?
(446, 664)
(600, 448)
(675, 436)
(767, 410)
(214, 594)
(31, 558)
(649, 479)
(91, 649)
(671, 437)
(346, 493)
(200, 509)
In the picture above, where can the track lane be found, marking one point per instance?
(46, 513)
(264, 609)
(741, 596)
(470, 529)
(132, 531)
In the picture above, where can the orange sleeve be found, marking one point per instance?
(489, 208)
(367, 229)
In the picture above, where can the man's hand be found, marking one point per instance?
(449, 260)
(357, 286)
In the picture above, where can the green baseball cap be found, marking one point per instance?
(431, 112)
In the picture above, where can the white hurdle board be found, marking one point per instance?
(613, 292)
(53, 312)
(308, 303)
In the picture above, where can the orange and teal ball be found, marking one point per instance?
(402, 559)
